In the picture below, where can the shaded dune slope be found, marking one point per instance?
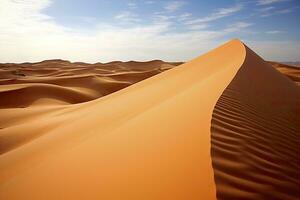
(224, 125)
(256, 135)
(24, 95)
(148, 141)
(293, 72)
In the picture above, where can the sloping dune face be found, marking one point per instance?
(62, 82)
(293, 72)
(256, 134)
(148, 141)
(30, 91)
(224, 125)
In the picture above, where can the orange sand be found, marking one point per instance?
(256, 134)
(151, 140)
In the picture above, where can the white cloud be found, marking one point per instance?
(174, 5)
(184, 16)
(163, 18)
(127, 16)
(220, 13)
(26, 34)
(274, 32)
(24, 17)
(33, 36)
(284, 11)
(272, 12)
(237, 27)
(268, 2)
(132, 5)
(197, 26)
(149, 2)
(267, 9)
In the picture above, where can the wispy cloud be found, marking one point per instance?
(127, 16)
(267, 9)
(104, 43)
(149, 2)
(269, 2)
(270, 10)
(273, 11)
(197, 26)
(28, 34)
(173, 6)
(238, 26)
(220, 13)
(184, 16)
(132, 5)
(284, 11)
(158, 18)
(274, 32)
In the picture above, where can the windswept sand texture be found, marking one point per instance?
(256, 135)
(225, 125)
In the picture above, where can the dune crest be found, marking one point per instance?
(175, 135)
(148, 141)
(256, 134)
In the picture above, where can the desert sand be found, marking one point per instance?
(224, 125)
(292, 72)
(255, 134)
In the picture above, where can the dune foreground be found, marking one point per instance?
(222, 126)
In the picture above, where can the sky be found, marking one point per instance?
(171, 30)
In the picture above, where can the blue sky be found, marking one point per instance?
(173, 30)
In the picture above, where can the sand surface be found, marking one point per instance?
(224, 125)
(291, 72)
(63, 82)
(256, 133)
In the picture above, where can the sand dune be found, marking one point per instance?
(292, 72)
(62, 82)
(224, 125)
(293, 64)
(256, 135)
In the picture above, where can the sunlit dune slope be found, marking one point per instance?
(41, 88)
(256, 134)
(148, 141)
(53, 82)
(224, 125)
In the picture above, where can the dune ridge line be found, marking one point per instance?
(156, 139)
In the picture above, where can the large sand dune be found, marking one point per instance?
(225, 125)
(256, 135)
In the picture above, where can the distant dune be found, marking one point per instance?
(225, 125)
(63, 82)
(291, 72)
(297, 64)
